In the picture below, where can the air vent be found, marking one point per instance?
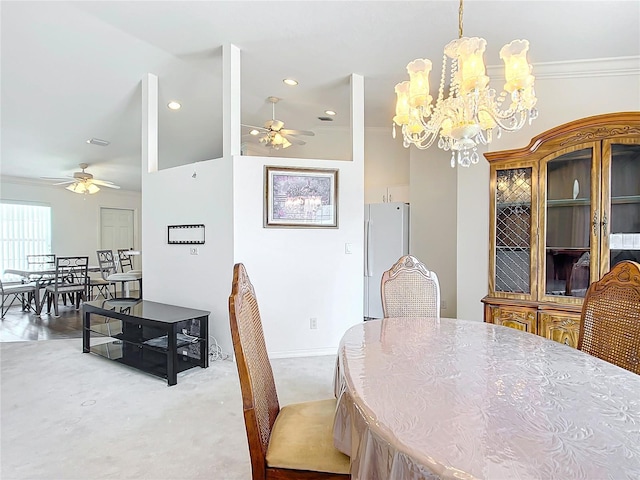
(326, 119)
(97, 141)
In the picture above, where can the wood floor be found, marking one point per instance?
(18, 326)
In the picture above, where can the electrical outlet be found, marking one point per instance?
(193, 250)
(313, 323)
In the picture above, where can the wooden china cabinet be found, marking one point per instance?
(564, 210)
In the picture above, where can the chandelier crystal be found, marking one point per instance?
(469, 114)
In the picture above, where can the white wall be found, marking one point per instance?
(433, 219)
(565, 92)
(386, 161)
(171, 275)
(75, 222)
(301, 273)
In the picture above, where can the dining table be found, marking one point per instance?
(427, 398)
(41, 275)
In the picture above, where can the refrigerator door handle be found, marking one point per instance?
(367, 252)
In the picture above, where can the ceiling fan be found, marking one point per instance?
(83, 182)
(273, 135)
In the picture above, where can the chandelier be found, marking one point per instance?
(472, 110)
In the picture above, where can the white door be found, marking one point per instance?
(116, 229)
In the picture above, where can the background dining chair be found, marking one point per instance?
(71, 278)
(409, 289)
(610, 320)
(126, 263)
(295, 442)
(109, 272)
(11, 293)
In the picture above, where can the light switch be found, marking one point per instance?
(347, 248)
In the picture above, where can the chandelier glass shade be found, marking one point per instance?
(472, 110)
(83, 188)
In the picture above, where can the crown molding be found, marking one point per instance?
(595, 67)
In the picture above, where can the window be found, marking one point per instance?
(25, 230)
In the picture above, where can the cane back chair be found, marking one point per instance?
(409, 289)
(293, 442)
(610, 321)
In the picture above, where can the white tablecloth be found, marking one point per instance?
(427, 398)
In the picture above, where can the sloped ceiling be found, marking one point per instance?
(71, 71)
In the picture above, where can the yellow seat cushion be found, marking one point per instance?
(302, 439)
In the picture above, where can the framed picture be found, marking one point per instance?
(300, 197)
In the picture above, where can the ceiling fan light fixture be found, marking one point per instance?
(290, 81)
(83, 188)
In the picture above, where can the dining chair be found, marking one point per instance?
(610, 320)
(409, 289)
(17, 292)
(45, 261)
(292, 442)
(71, 278)
(126, 263)
(109, 272)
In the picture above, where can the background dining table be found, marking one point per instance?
(423, 398)
(40, 275)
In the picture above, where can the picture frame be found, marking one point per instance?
(300, 197)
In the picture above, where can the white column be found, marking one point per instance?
(231, 101)
(150, 122)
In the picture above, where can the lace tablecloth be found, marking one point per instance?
(426, 398)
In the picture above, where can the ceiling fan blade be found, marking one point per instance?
(260, 129)
(298, 132)
(295, 141)
(66, 182)
(104, 183)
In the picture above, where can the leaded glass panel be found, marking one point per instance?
(513, 230)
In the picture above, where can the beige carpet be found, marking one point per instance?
(69, 415)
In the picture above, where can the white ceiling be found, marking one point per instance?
(72, 70)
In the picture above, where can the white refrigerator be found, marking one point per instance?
(386, 239)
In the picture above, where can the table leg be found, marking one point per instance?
(172, 355)
(204, 346)
(86, 324)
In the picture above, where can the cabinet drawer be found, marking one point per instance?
(519, 318)
(560, 327)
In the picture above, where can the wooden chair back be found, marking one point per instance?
(409, 289)
(610, 321)
(259, 396)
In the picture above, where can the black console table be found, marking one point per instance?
(156, 338)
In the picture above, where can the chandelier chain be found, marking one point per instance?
(460, 12)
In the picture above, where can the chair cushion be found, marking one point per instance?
(302, 439)
(20, 288)
(124, 277)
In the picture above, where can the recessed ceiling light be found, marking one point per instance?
(97, 141)
(329, 112)
(254, 132)
(173, 105)
(290, 81)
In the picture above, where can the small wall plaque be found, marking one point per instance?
(185, 234)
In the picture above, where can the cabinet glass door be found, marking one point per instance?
(621, 220)
(568, 218)
(513, 230)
